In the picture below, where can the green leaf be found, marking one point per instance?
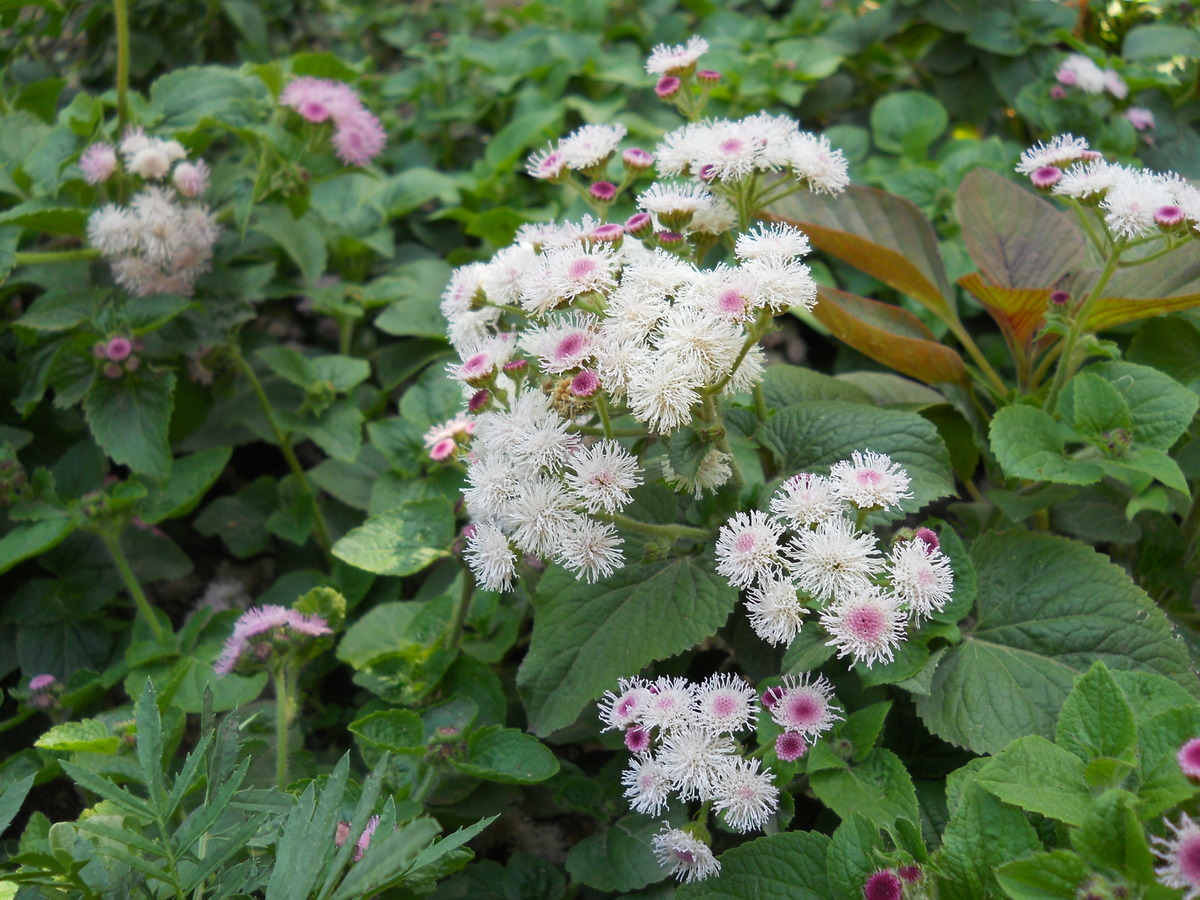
(1169, 344)
(394, 730)
(1047, 608)
(787, 385)
(301, 239)
(129, 418)
(85, 734)
(401, 541)
(1111, 836)
(1036, 775)
(388, 860)
(1096, 719)
(29, 540)
(61, 310)
(1163, 784)
(878, 788)
(617, 858)
(907, 122)
(862, 727)
(982, 834)
(1160, 409)
(1028, 443)
(11, 800)
(436, 851)
(687, 449)
(787, 866)
(586, 636)
(523, 878)
(186, 96)
(45, 215)
(1055, 875)
(883, 235)
(191, 477)
(811, 436)
(1159, 42)
(854, 855)
(889, 335)
(508, 756)
(1096, 405)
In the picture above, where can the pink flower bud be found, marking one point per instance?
(639, 225)
(603, 191)
(637, 159)
(790, 746)
(708, 76)
(98, 163)
(667, 87)
(443, 449)
(118, 349)
(585, 384)
(883, 885)
(1046, 177)
(1188, 757)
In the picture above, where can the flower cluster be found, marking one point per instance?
(262, 632)
(682, 738)
(42, 691)
(358, 136)
(1135, 203)
(865, 599)
(442, 441)
(1081, 72)
(161, 242)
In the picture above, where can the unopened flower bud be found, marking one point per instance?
(639, 225)
(585, 384)
(637, 160)
(603, 192)
(1046, 177)
(708, 77)
(118, 348)
(667, 87)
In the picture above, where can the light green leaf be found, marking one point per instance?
(401, 541)
(687, 449)
(184, 97)
(1028, 443)
(586, 636)
(1097, 405)
(394, 730)
(301, 239)
(787, 866)
(1096, 719)
(1036, 775)
(982, 834)
(29, 540)
(129, 418)
(1148, 461)
(1112, 836)
(1044, 876)
(1047, 608)
(1160, 408)
(907, 122)
(1163, 784)
(878, 788)
(508, 756)
(85, 734)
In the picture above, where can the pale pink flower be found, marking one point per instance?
(921, 578)
(1188, 757)
(726, 703)
(744, 796)
(1180, 857)
(358, 138)
(805, 705)
(806, 499)
(623, 709)
(684, 855)
(868, 625)
(191, 179)
(1139, 117)
(870, 480)
(748, 549)
(98, 163)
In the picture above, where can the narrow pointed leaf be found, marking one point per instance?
(889, 335)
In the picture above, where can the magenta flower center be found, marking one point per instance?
(803, 709)
(867, 623)
(745, 542)
(581, 269)
(568, 347)
(732, 303)
(1189, 858)
(724, 706)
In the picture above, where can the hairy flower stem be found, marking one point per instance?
(1069, 361)
(668, 531)
(35, 258)
(602, 410)
(283, 684)
(711, 415)
(121, 21)
(112, 540)
(285, 445)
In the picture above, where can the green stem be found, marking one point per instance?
(760, 403)
(112, 540)
(1068, 363)
(285, 445)
(14, 721)
(1097, 244)
(55, 256)
(121, 17)
(459, 616)
(650, 528)
(427, 784)
(711, 413)
(282, 720)
(1140, 261)
(995, 382)
(602, 409)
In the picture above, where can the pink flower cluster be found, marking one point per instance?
(358, 136)
(263, 630)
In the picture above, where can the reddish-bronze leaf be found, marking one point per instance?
(1018, 312)
(1018, 239)
(884, 235)
(889, 335)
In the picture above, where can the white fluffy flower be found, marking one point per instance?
(920, 577)
(670, 704)
(708, 344)
(1130, 204)
(776, 241)
(868, 625)
(671, 201)
(1080, 71)
(568, 343)
(694, 757)
(780, 284)
(541, 516)
(603, 475)
(748, 549)
(624, 708)
(490, 557)
(834, 559)
(806, 499)
(745, 796)
(1087, 180)
(674, 60)
(870, 480)
(817, 164)
(591, 145)
(591, 549)
(726, 703)
(564, 273)
(804, 705)
(1060, 151)
(683, 855)
(647, 786)
(662, 391)
(775, 611)
(1180, 857)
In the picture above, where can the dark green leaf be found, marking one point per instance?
(787, 866)
(129, 418)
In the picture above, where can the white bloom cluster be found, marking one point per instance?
(724, 151)
(1080, 71)
(162, 240)
(865, 600)
(681, 735)
(1135, 203)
